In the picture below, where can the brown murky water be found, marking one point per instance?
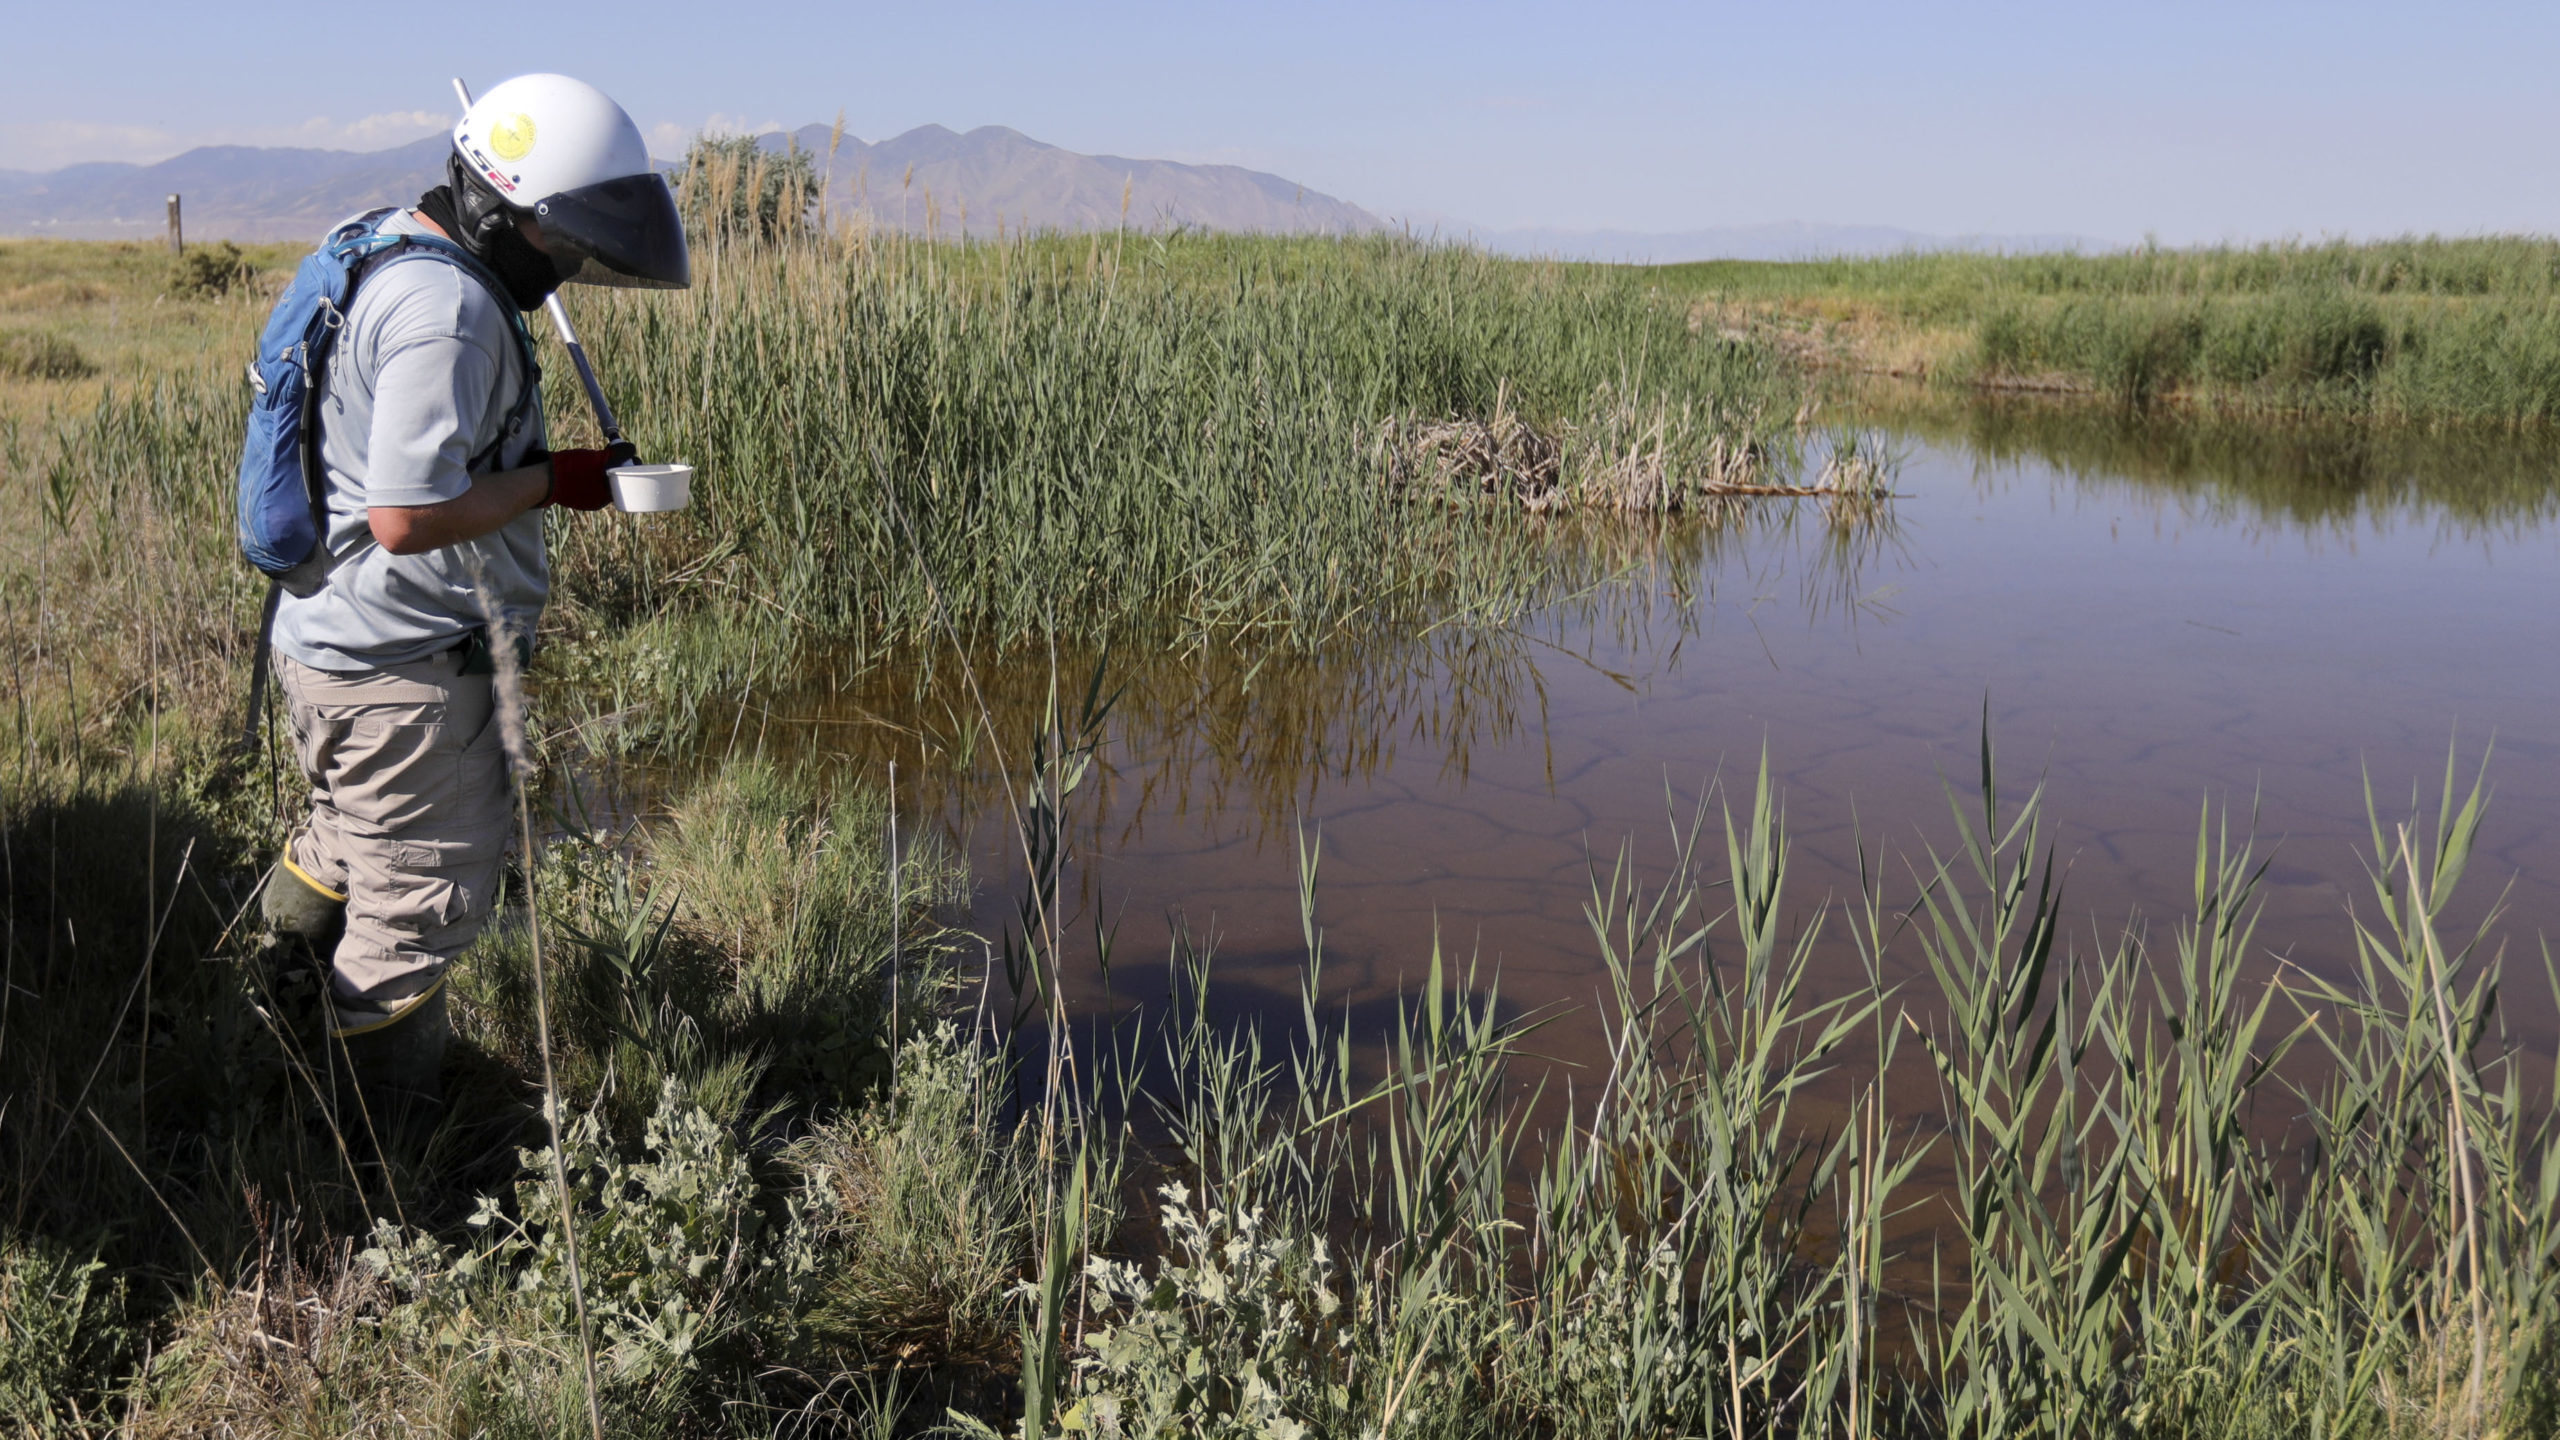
(2155, 613)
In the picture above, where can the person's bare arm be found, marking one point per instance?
(493, 500)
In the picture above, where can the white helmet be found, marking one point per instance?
(563, 151)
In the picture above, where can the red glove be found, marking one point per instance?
(578, 476)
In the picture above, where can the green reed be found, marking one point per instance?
(1069, 434)
(2397, 356)
(2180, 1198)
(1945, 283)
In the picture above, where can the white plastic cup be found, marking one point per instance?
(649, 489)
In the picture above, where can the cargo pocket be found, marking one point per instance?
(442, 882)
(484, 754)
(457, 864)
(315, 741)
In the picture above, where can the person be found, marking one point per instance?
(436, 485)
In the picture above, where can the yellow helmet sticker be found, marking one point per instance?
(512, 138)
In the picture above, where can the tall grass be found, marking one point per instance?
(1175, 436)
(1065, 431)
(2425, 358)
(2150, 1192)
(1949, 283)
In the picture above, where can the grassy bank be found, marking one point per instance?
(2418, 330)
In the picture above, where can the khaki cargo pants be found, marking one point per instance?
(409, 821)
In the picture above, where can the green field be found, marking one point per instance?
(76, 314)
(809, 1198)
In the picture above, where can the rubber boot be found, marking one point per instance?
(396, 1060)
(295, 904)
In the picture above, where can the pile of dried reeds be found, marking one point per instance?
(1504, 455)
(1628, 459)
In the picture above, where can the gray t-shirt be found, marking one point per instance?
(421, 381)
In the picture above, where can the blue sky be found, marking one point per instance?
(2194, 122)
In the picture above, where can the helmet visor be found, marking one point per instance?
(626, 231)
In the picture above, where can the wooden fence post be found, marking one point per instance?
(177, 236)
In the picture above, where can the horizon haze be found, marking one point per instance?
(981, 183)
(2187, 122)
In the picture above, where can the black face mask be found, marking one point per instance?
(490, 234)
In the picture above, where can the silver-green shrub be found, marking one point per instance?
(1237, 1333)
(681, 1267)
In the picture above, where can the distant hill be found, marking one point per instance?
(238, 192)
(233, 192)
(993, 175)
(1785, 240)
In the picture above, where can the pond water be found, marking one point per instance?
(2153, 612)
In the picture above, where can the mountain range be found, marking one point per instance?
(979, 181)
(930, 175)
(993, 177)
(233, 192)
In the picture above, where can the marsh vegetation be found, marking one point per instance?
(2416, 330)
(837, 1167)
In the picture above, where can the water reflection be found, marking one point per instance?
(2128, 593)
(2312, 474)
(1208, 734)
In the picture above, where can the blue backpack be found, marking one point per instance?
(283, 509)
(282, 490)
